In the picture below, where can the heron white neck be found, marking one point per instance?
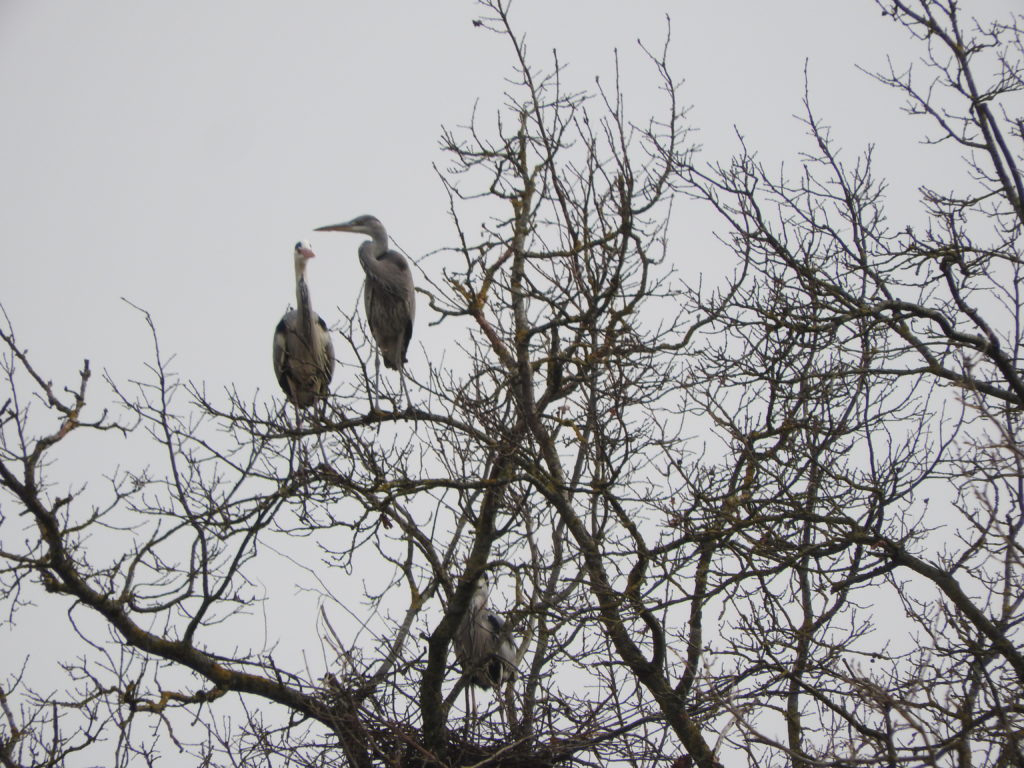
(302, 302)
(479, 601)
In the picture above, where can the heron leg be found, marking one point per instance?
(501, 709)
(303, 448)
(471, 715)
(296, 437)
(321, 418)
(505, 707)
(292, 440)
(303, 456)
(404, 392)
(375, 398)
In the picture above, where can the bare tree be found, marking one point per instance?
(880, 465)
(772, 522)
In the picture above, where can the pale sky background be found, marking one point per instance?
(172, 153)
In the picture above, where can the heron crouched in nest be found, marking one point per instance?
(483, 645)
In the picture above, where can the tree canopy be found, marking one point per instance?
(767, 519)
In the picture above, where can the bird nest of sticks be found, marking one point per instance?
(475, 749)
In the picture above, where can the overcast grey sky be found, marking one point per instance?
(172, 153)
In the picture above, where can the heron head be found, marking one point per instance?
(364, 225)
(483, 589)
(303, 253)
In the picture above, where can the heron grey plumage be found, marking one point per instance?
(388, 292)
(303, 352)
(483, 642)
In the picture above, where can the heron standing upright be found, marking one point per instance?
(303, 352)
(483, 644)
(388, 293)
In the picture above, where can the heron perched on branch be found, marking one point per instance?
(388, 292)
(483, 643)
(303, 352)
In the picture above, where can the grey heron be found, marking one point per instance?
(483, 644)
(303, 352)
(388, 292)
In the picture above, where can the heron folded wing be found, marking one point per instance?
(281, 368)
(496, 622)
(327, 360)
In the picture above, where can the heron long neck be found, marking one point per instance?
(479, 601)
(380, 240)
(302, 302)
(369, 252)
